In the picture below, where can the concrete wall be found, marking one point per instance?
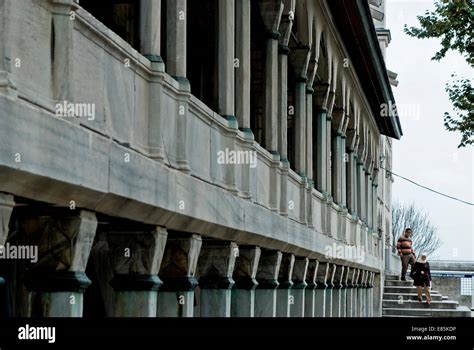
(451, 287)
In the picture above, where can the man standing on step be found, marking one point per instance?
(406, 252)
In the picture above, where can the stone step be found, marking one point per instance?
(399, 316)
(411, 296)
(461, 311)
(391, 277)
(403, 290)
(415, 304)
(395, 283)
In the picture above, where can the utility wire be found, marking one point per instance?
(427, 188)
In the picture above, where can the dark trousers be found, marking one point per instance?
(408, 259)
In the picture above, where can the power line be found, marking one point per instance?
(427, 188)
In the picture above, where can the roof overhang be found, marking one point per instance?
(354, 22)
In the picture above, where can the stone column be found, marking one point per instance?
(320, 101)
(310, 291)
(337, 154)
(312, 67)
(367, 294)
(330, 291)
(355, 294)
(285, 299)
(299, 285)
(176, 23)
(136, 258)
(63, 83)
(271, 11)
(362, 294)
(283, 125)
(371, 294)
(267, 278)
(321, 285)
(178, 269)
(64, 243)
(360, 189)
(299, 59)
(351, 181)
(243, 293)
(368, 189)
(348, 291)
(7, 204)
(271, 94)
(242, 78)
(344, 292)
(283, 51)
(150, 30)
(216, 267)
(367, 197)
(374, 205)
(226, 56)
(329, 117)
(337, 291)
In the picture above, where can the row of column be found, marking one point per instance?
(340, 173)
(148, 272)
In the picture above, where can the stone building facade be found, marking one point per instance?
(193, 158)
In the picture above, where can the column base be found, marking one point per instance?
(232, 121)
(184, 83)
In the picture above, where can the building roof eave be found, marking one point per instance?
(354, 22)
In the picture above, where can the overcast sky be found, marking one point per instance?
(427, 153)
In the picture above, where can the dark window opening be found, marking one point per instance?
(257, 73)
(163, 36)
(202, 50)
(121, 16)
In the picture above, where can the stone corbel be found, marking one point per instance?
(338, 120)
(299, 59)
(312, 274)
(312, 68)
(136, 259)
(321, 95)
(286, 25)
(299, 273)
(216, 264)
(286, 271)
(7, 204)
(271, 11)
(246, 267)
(64, 244)
(338, 276)
(269, 269)
(322, 276)
(179, 263)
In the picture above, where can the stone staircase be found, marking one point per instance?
(400, 300)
